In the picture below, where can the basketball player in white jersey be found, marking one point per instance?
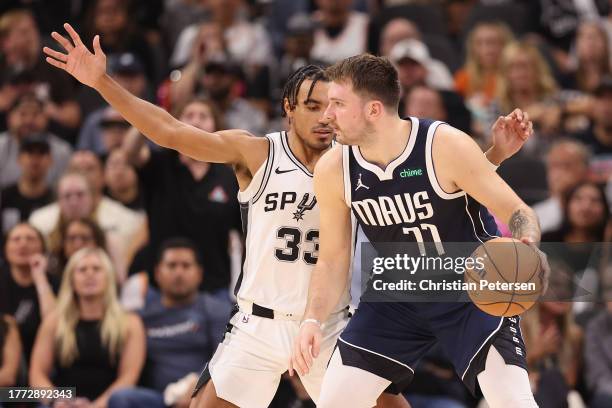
(280, 219)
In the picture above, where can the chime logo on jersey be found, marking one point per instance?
(398, 209)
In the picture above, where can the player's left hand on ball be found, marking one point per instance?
(305, 348)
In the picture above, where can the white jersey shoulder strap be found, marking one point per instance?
(261, 177)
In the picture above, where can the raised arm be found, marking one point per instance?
(509, 133)
(234, 147)
(329, 278)
(474, 175)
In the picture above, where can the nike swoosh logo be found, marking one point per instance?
(277, 171)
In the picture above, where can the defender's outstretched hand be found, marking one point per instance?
(78, 61)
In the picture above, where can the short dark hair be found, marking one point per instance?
(291, 89)
(178, 243)
(26, 98)
(39, 235)
(214, 110)
(373, 76)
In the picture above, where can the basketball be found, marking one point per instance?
(506, 278)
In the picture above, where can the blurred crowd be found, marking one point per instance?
(119, 256)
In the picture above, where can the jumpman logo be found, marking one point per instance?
(360, 184)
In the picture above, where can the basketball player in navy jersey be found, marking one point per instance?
(384, 341)
(280, 216)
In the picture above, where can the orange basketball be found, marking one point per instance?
(505, 280)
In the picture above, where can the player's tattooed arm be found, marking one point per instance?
(524, 224)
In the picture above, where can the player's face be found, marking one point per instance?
(307, 119)
(178, 274)
(346, 114)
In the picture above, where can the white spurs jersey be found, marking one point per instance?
(280, 218)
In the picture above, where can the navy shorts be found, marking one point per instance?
(388, 339)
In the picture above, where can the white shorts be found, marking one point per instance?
(247, 365)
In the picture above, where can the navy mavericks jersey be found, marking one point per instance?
(405, 203)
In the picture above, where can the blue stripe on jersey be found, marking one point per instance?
(404, 206)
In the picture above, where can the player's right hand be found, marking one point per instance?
(78, 61)
(305, 348)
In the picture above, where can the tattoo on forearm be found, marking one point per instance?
(524, 224)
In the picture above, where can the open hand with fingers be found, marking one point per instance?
(509, 133)
(88, 68)
(305, 347)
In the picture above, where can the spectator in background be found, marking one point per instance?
(298, 43)
(26, 291)
(74, 235)
(586, 215)
(592, 58)
(120, 224)
(10, 349)
(598, 136)
(184, 197)
(397, 30)
(567, 165)
(183, 329)
(74, 200)
(88, 342)
(342, 32)
(180, 14)
(247, 43)
(27, 117)
(416, 67)
(555, 344)
(121, 181)
(24, 70)
(220, 81)
(598, 361)
(32, 190)
(128, 71)
(476, 81)
(424, 102)
(525, 82)
(243, 42)
(434, 82)
(118, 34)
(108, 135)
